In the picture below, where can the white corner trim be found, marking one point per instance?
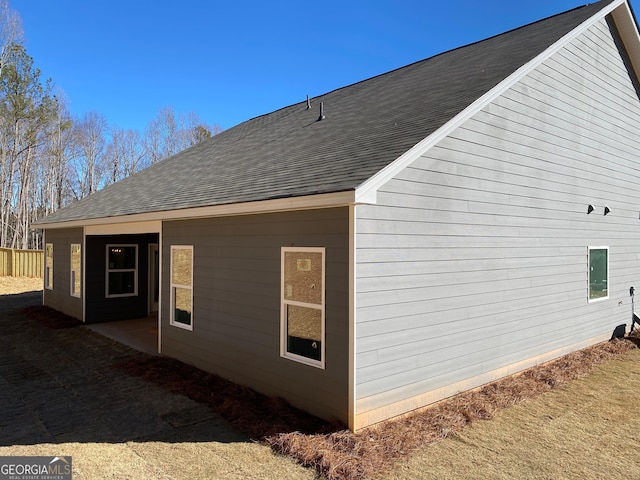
(352, 413)
(628, 30)
(366, 192)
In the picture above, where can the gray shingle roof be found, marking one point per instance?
(288, 153)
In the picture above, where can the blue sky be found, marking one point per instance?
(231, 61)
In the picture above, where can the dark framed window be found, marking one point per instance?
(598, 273)
(122, 271)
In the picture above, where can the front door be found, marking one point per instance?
(154, 278)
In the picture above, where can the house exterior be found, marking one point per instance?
(445, 224)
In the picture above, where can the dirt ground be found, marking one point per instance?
(13, 285)
(573, 418)
(61, 396)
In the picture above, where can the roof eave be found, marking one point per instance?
(308, 202)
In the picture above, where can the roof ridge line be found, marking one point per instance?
(316, 97)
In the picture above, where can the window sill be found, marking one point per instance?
(303, 360)
(183, 326)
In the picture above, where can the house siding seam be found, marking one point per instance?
(237, 298)
(474, 261)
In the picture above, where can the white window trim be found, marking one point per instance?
(71, 271)
(173, 285)
(600, 299)
(283, 309)
(109, 270)
(48, 285)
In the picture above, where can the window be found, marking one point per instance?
(182, 286)
(76, 274)
(598, 273)
(48, 266)
(302, 310)
(122, 270)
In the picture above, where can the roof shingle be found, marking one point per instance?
(289, 153)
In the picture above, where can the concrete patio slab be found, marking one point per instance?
(140, 333)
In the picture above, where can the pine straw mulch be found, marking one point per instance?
(344, 455)
(248, 411)
(337, 453)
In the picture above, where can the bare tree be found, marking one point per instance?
(11, 32)
(161, 136)
(25, 110)
(57, 153)
(49, 159)
(194, 130)
(37, 137)
(125, 154)
(168, 134)
(87, 168)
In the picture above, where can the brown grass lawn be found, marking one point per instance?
(585, 430)
(574, 418)
(14, 285)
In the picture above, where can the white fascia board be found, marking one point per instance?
(628, 30)
(367, 191)
(148, 220)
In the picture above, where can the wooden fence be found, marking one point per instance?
(21, 263)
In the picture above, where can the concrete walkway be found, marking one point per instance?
(59, 386)
(140, 334)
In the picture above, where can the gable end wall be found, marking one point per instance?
(473, 265)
